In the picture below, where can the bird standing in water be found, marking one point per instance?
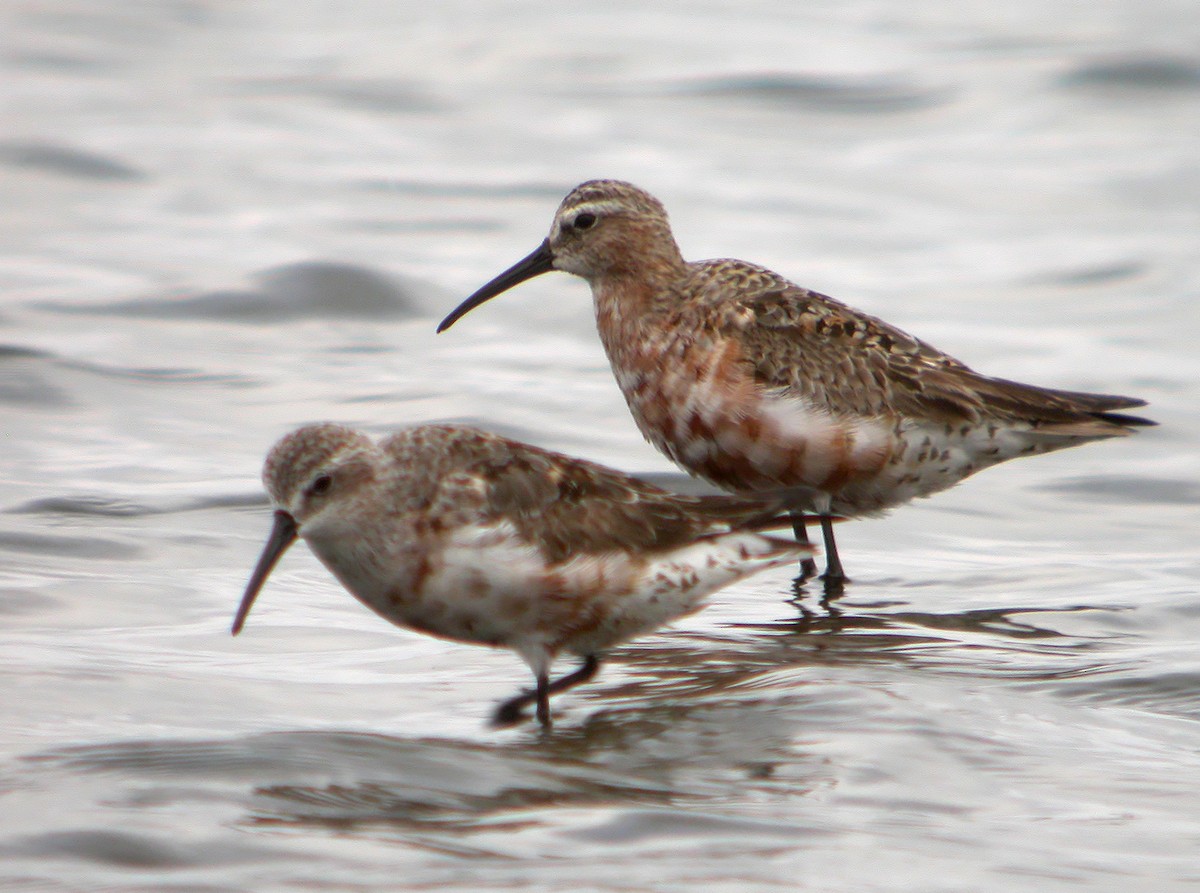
(758, 385)
(474, 537)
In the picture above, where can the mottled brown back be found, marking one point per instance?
(570, 507)
(810, 345)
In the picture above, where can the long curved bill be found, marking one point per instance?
(541, 261)
(283, 534)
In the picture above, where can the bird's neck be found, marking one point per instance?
(639, 287)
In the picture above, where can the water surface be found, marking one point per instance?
(225, 220)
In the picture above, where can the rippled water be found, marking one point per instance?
(223, 220)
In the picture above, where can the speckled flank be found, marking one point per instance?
(756, 384)
(473, 537)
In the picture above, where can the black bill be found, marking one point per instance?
(541, 261)
(283, 534)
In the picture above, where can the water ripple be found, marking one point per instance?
(1126, 489)
(128, 850)
(70, 546)
(113, 506)
(67, 162)
(1142, 72)
(817, 92)
(309, 290)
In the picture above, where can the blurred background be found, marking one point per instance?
(224, 219)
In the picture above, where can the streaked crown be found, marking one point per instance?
(603, 224)
(610, 197)
(300, 458)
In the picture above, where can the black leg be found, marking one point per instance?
(808, 566)
(509, 713)
(543, 699)
(834, 573)
(586, 671)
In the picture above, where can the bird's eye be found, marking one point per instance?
(584, 221)
(321, 485)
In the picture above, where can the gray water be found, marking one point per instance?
(225, 219)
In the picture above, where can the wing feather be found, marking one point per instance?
(570, 507)
(805, 344)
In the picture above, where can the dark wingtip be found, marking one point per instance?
(1128, 421)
